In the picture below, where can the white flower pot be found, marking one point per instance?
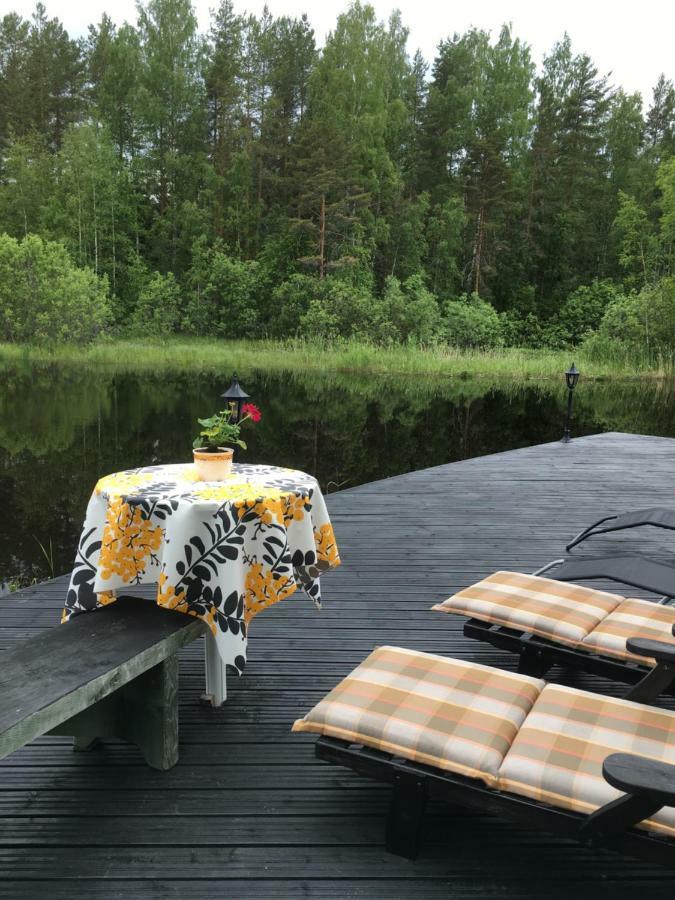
(213, 466)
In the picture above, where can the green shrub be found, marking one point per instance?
(223, 293)
(521, 330)
(643, 324)
(358, 313)
(45, 298)
(340, 307)
(410, 311)
(158, 309)
(584, 308)
(318, 322)
(625, 323)
(394, 313)
(337, 308)
(290, 301)
(471, 322)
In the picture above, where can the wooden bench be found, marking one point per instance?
(112, 672)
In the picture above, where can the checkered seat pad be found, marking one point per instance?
(558, 753)
(632, 618)
(563, 612)
(457, 716)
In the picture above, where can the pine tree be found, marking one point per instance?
(55, 77)
(347, 141)
(222, 77)
(476, 132)
(113, 58)
(15, 99)
(170, 110)
(568, 221)
(660, 125)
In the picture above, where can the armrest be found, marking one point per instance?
(647, 786)
(661, 651)
(641, 777)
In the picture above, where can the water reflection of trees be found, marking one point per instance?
(42, 411)
(60, 430)
(637, 407)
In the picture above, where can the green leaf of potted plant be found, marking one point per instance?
(213, 449)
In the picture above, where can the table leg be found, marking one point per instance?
(216, 683)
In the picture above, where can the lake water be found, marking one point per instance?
(62, 428)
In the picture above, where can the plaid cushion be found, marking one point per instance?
(552, 609)
(557, 755)
(632, 618)
(454, 715)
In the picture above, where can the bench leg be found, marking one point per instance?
(404, 823)
(149, 707)
(144, 712)
(88, 726)
(215, 672)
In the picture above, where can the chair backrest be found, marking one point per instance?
(625, 568)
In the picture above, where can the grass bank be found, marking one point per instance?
(197, 354)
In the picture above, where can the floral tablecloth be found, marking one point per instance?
(222, 551)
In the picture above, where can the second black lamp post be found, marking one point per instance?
(235, 396)
(572, 379)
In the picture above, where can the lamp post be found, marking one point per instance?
(235, 396)
(572, 379)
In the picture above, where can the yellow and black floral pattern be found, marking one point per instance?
(222, 551)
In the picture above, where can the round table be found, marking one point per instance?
(222, 551)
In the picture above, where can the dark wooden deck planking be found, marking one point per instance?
(248, 812)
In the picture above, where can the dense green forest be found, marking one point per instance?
(247, 183)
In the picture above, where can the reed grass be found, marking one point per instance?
(199, 354)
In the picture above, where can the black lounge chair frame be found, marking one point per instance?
(648, 786)
(658, 516)
(538, 654)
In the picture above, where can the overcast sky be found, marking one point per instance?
(635, 46)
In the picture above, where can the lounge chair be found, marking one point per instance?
(549, 620)
(595, 768)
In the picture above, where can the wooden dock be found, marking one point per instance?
(248, 812)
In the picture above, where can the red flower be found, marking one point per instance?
(252, 411)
